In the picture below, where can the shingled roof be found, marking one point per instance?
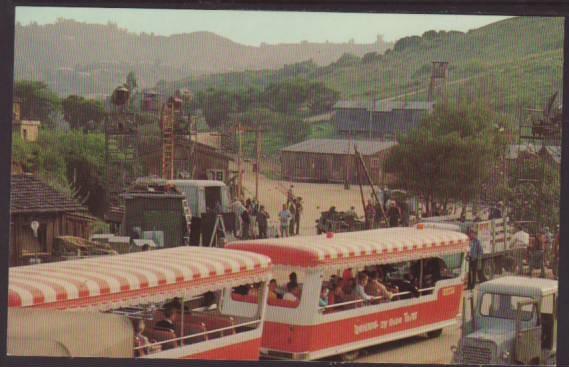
(28, 194)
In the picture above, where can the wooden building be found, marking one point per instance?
(207, 162)
(57, 215)
(333, 160)
(385, 119)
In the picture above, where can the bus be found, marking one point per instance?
(423, 272)
(189, 285)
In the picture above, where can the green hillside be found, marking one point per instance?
(514, 62)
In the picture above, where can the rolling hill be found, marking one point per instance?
(91, 59)
(518, 61)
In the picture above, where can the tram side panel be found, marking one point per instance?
(290, 331)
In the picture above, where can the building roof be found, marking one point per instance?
(377, 246)
(108, 282)
(28, 194)
(340, 146)
(521, 286)
(385, 105)
(198, 183)
(555, 152)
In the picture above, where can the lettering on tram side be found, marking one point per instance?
(384, 324)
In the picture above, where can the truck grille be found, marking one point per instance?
(476, 354)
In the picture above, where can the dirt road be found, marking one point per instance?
(316, 197)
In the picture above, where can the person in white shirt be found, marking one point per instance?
(360, 287)
(293, 293)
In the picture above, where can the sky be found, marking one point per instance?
(254, 27)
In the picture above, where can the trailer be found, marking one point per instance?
(503, 250)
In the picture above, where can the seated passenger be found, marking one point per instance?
(339, 295)
(209, 301)
(376, 289)
(273, 289)
(360, 287)
(323, 302)
(293, 279)
(348, 287)
(140, 340)
(293, 292)
(348, 275)
(168, 322)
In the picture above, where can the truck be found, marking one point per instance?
(503, 250)
(202, 198)
(513, 321)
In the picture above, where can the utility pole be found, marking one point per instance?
(240, 173)
(257, 159)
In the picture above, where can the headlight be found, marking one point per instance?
(505, 356)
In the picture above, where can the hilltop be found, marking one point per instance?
(91, 59)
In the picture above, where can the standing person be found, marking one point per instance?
(370, 215)
(297, 213)
(474, 259)
(394, 215)
(262, 221)
(237, 208)
(284, 217)
(289, 194)
(538, 255)
(292, 210)
(246, 221)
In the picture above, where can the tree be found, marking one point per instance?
(217, 106)
(38, 101)
(79, 112)
(449, 155)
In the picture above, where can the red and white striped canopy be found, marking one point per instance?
(357, 248)
(108, 282)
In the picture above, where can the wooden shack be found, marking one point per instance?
(57, 215)
(206, 162)
(334, 161)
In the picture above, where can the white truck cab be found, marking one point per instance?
(514, 321)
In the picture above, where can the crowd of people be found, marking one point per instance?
(252, 218)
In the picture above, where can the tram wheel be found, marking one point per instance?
(434, 333)
(350, 356)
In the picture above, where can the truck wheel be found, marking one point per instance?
(434, 333)
(487, 270)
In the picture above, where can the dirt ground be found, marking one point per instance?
(315, 197)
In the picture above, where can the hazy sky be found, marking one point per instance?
(254, 27)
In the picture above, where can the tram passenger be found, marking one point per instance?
(292, 279)
(376, 289)
(293, 292)
(323, 302)
(209, 301)
(273, 289)
(139, 339)
(168, 322)
(360, 287)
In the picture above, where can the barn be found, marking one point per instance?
(333, 160)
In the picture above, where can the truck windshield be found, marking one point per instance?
(505, 306)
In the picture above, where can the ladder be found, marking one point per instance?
(167, 123)
(187, 216)
(214, 235)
